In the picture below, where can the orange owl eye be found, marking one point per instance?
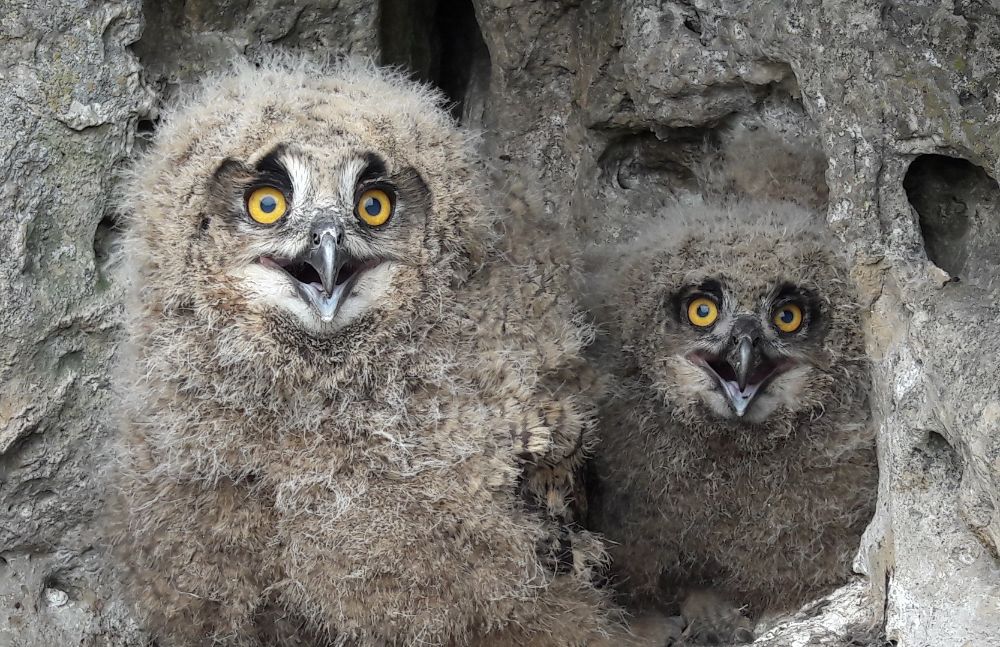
(703, 312)
(788, 318)
(374, 207)
(267, 205)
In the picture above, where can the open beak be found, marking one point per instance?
(325, 275)
(742, 370)
(328, 260)
(743, 360)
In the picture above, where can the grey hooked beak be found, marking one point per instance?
(745, 360)
(328, 258)
(744, 368)
(326, 261)
(742, 361)
(324, 275)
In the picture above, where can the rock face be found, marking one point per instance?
(610, 106)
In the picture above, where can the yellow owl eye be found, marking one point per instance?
(374, 207)
(788, 318)
(266, 205)
(703, 312)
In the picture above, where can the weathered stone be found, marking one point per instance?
(70, 96)
(625, 95)
(184, 40)
(613, 107)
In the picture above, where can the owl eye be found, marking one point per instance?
(788, 318)
(267, 205)
(374, 207)
(703, 312)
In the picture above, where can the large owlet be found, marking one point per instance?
(736, 468)
(351, 418)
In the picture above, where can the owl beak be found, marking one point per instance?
(324, 276)
(742, 360)
(328, 259)
(743, 370)
(324, 258)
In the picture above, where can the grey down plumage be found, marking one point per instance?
(393, 464)
(719, 495)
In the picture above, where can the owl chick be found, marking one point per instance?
(736, 468)
(351, 416)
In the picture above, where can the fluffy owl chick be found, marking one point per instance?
(736, 467)
(340, 392)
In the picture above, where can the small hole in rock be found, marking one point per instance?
(958, 205)
(107, 248)
(937, 456)
(648, 163)
(439, 41)
(145, 131)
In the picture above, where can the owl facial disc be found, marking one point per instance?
(326, 274)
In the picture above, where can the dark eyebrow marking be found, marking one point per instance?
(710, 286)
(374, 168)
(791, 292)
(272, 172)
(271, 163)
(678, 300)
(786, 290)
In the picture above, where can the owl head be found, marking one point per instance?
(736, 315)
(305, 209)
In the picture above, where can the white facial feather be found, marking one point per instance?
(273, 288)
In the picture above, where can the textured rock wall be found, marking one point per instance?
(70, 96)
(611, 105)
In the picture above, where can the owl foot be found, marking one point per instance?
(713, 620)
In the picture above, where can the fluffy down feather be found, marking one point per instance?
(763, 513)
(403, 478)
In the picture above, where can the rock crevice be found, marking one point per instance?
(613, 108)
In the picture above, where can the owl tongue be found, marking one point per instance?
(740, 397)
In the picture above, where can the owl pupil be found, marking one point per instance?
(268, 204)
(787, 316)
(372, 207)
(703, 311)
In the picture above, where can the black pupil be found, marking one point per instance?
(703, 311)
(787, 316)
(268, 204)
(373, 206)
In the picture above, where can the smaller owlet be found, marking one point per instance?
(736, 468)
(352, 414)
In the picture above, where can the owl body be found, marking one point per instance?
(352, 416)
(735, 453)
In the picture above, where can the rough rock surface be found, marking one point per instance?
(70, 96)
(610, 105)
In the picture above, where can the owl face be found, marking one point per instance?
(298, 210)
(744, 351)
(324, 237)
(737, 323)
